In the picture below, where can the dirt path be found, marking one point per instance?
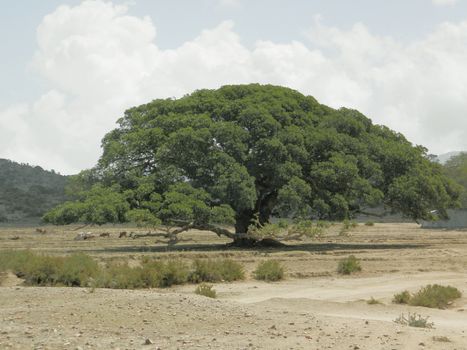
(340, 289)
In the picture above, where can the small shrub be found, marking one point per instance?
(269, 270)
(369, 223)
(216, 271)
(206, 290)
(231, 270)
(373, 301)
(414, 320)
(19, 262)
(44, 272)
(402, 298)
(435, 296)
(441, 339)
(77, 270)
(349, 265)
(118, 275)
(204, 271)
(173, 272)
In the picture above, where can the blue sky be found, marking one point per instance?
(69, 69)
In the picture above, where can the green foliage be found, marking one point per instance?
(174, 272)
(435, 296)
(219, 156)
(99, 205)
(82, 270)
(402, 298)
(456, 169)
(414, 320)
(269, 270)
(216, 271)
(143, 218)
(27, 192)
(75, 270)
(349, 265)
(206, 290)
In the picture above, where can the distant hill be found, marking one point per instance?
(27, 192)
(443, 158)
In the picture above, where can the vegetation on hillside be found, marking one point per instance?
(241, 154)
(28, 192)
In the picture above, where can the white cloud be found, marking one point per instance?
(230, 3)
(99, 61)
(444, 2)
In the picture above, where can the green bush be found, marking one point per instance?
(269, 270)
(402, 298)
(82, 270)
(231, 270)
(414, 320)
(349, 265)
(173, 272)
(19, 262)
(45, 271)
(369, 223)
(206, 290)
(204, 271)
(77, 270)
(216, 271)
(435, 296)
(118, 275)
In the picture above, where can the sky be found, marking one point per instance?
(69, 68)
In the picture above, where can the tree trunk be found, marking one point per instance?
(244, 219)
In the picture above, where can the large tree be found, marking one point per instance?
(247, 152)
(456, 169)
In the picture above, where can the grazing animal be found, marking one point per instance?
(104, 234)
(122, 234)
(41, 230)
(82, 236)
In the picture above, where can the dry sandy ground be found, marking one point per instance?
(320, 310)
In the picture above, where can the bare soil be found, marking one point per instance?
(314, 308)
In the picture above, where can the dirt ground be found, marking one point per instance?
(314, 308)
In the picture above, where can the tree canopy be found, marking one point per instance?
(456, 169)
(244, 153)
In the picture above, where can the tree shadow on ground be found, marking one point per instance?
(308, 247)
